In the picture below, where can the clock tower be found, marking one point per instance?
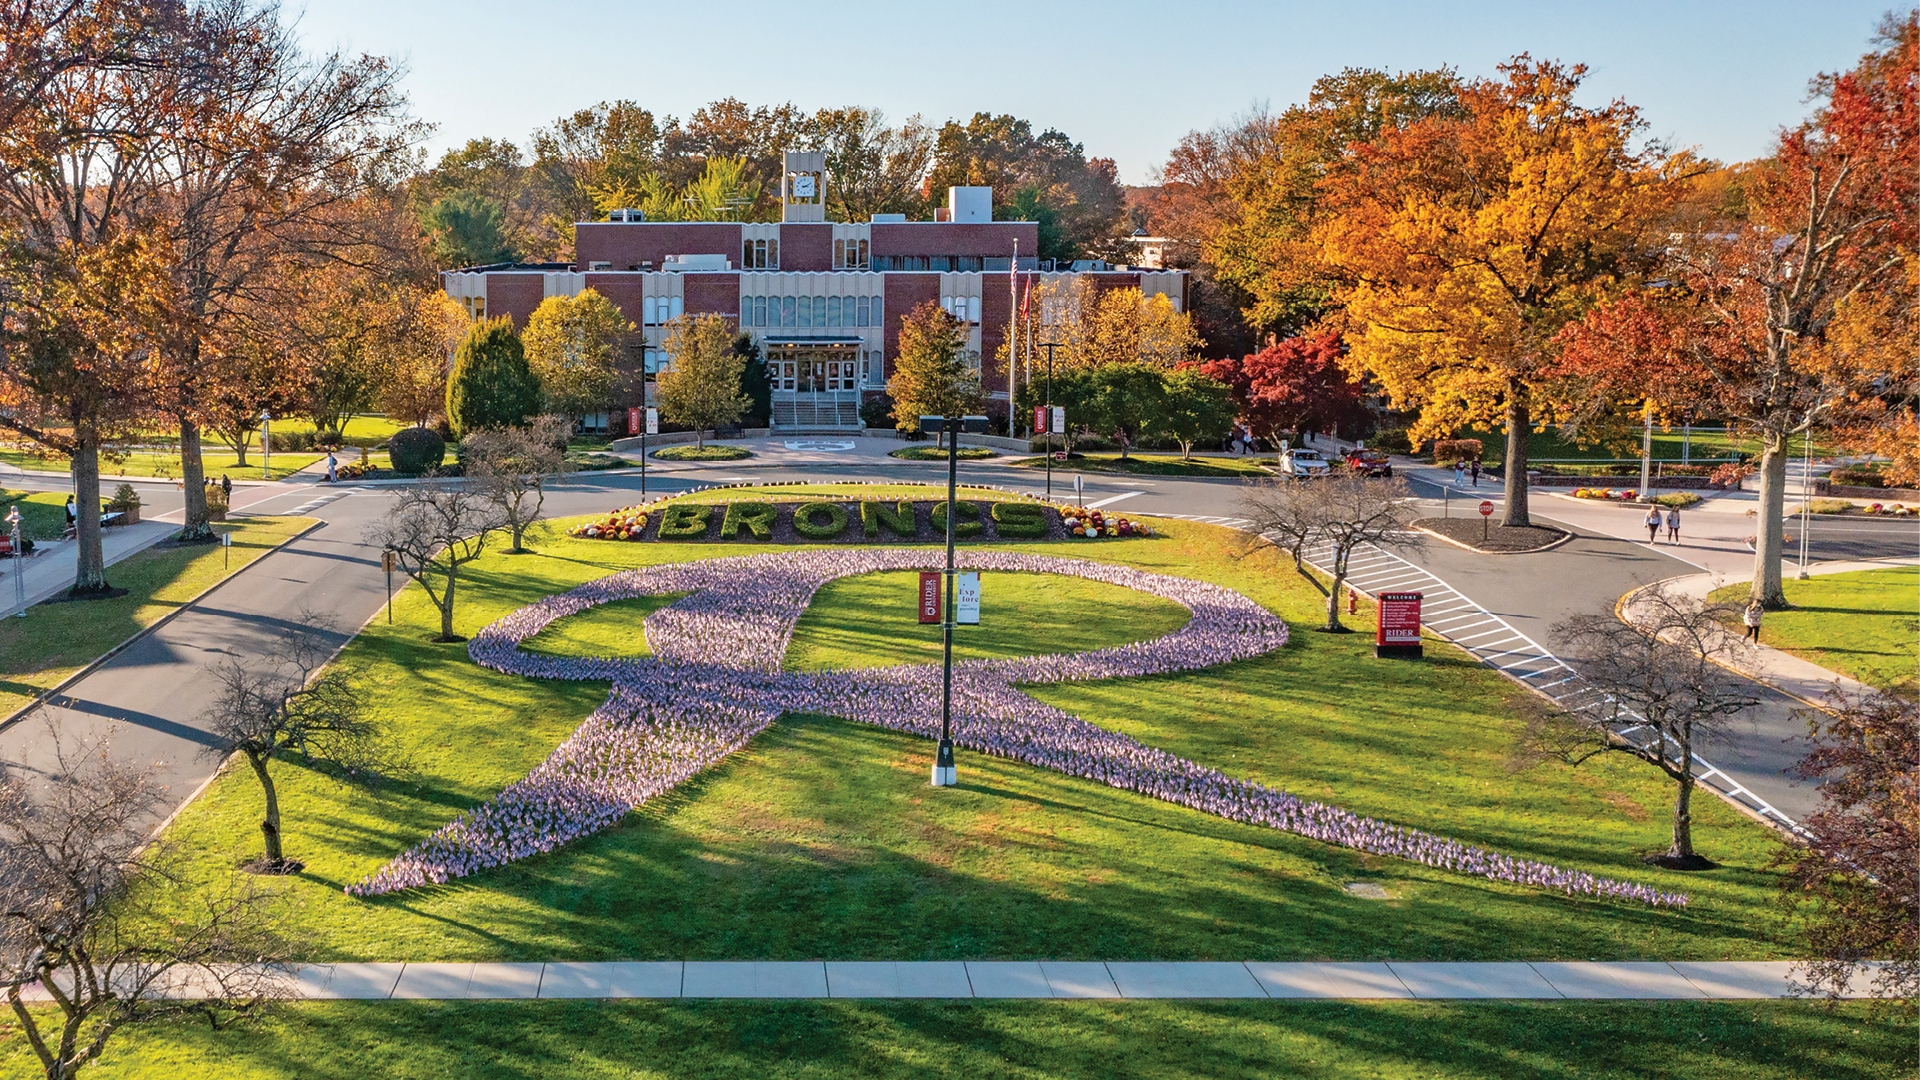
(803, 187)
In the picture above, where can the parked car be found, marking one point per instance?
(1301, 463)
(1369, 462)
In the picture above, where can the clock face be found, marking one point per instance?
(803, 186)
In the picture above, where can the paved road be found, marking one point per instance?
(149, 698)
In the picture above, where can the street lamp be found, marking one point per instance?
(951, 426)
(266, 445)
(1050, 346)
(1806, 497)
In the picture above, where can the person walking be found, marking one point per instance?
(1459, 473)
(1473, 470)
(73, 516)
(1751, 617)
(333, 467)
(1673, 525)
(226, 487)
(1653, 524)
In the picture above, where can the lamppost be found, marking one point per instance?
(951, 426)
(266, 445)
(19, 570)
(1050, 346)
(1806, 497)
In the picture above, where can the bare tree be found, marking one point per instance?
(1665, 682)
(514, 465)
(1343, 512)
(93, 917)
(263, 712)
(433, 529)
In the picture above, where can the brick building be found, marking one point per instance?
(823, 299)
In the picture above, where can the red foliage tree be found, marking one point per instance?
(1295, 384)
(1855, 880)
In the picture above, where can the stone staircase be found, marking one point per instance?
(816, 412)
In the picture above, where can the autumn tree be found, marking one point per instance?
(1850, 873)
(571, 345)
(702, 388)
(1097, 326)
(1796, 315)
(931, 374)
(872, 168)
(1463, 244)
(1345, 513)
(434, 530)
(413, 352)
(1027, 171)
(1295, 384)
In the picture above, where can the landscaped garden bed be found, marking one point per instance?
(936, 453)
(797, 520)
(820, 838)
(701, 453)
(1157, 465)
(1503, 539)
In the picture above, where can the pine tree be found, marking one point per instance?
(931, 377)
(491, 385)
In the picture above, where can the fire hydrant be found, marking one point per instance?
(1353, 600)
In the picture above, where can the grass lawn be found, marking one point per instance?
(1667, 446)
(1157, 1040)
(43, 514)
(214, 459)
(1155, 465)
(822, 839)
(57, 639)
(1864, 624)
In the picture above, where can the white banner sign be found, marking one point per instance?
(966, 610)
(1059, 419)
(653, 421)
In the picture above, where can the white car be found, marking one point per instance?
(1302, 463)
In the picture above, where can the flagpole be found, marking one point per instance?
(1013, 339)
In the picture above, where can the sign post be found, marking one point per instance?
(386, 564)
(1397, 626)
(1486, 518)
(951, 427)
(226, 550)
(19, 563)
(929, 596)
(1080, 489)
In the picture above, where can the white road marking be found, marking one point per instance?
(1111, 499)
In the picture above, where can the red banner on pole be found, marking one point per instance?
(1039, 418)
(929, 596)
(1398, 619)
(633, 421)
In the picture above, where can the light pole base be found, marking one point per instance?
(943, 770)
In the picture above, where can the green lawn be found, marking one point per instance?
(43, 514)
(214, 460)
(1667, 446)
(1159, 1040)
(1864, 624)
(1156, 465)
(822, 839)
(57, 639)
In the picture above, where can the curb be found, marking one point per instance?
(1620, 612)
(1567, 537)
(48, 694)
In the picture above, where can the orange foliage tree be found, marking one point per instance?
(1799, 315)
(1463, 244)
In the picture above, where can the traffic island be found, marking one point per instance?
(1488, 538)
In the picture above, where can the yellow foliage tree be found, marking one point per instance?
(572, 343)
(1096, 327)
(1462, 244)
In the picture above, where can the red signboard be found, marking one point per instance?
(1486, 509)
(929, 596)
(633, 421)
(1399, 619)
(1039, 418)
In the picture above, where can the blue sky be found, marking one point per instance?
(1127, 79)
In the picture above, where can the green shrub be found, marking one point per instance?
(491, 384)
(804, 524)
(288, 442)
(898, 521)
(755, 517)
(1858, 477)
(124, 499)
(934, 453)
(416, 450)
(700, 453)
(1393, 440)
(1681, 499)
(1829, 506)
(877, 411)
(685, 521)
(1019, 519)
(966, 523)
(1446, 450)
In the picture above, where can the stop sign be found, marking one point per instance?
(1486, 509)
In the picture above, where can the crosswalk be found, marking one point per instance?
(317, 502)
(1495, 642)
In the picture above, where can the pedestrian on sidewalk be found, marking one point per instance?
(1673, 525)
(1653, 524)
(1473, 468)
(333, 467)
(1752, 618)
(73, 515)
(226, 486)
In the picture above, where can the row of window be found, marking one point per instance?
(849, 254)
(811, 311)
(955, 264)
(659, 310)
(964, 308)
(760, 255)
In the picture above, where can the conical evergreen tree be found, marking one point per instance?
(491, 385)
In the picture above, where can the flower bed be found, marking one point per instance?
(1609, 494)
(701, 453)
(715, 680)
(866, 520)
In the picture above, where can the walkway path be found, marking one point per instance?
(1004, 979)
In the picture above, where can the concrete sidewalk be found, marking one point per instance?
(51, 567)
(1015, 979)
(1785, 672)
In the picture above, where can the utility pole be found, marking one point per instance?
(1646, 455)
(1806, 497)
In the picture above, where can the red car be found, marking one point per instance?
(1369, 462)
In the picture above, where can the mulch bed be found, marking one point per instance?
(1499, 538)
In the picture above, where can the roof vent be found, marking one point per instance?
(627, 215)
